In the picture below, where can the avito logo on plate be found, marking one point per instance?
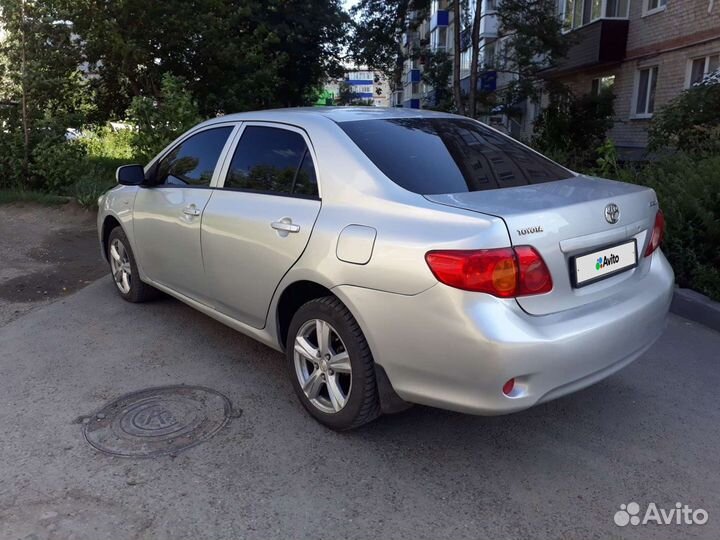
(602, 262)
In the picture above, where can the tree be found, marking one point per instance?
(456, 58)
(532, 41)
(234, 54)
(437, 73)
(42, 92)
(377, 40)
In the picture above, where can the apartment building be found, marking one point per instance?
(366, 85)
(435, 33)
(646, 51)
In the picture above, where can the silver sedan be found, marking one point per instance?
(395, 256)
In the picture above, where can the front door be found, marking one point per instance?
(259, 220)
(167, 215)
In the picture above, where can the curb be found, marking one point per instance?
(696, 307)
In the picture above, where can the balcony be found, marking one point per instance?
(413, 76)
(439, 18)
(599, 43)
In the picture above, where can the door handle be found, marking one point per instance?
(191, 210)
(285, 225)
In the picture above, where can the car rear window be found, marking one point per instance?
(432, 156)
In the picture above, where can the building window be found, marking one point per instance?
(645, 83)
(602, 84)
(577, 13)
(438, 39)
(653, 6)
(698, 68)
(489, 56)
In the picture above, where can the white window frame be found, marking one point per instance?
(688, 69)
(662, 6)
(562, 7)
(636, 90)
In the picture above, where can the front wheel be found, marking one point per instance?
(330, 364)
(124, 271)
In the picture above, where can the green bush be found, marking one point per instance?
(11, 159)
(162, 119)
(56, 165)
(107, 142)
(688, 190)
(691, 122)
(570, 128)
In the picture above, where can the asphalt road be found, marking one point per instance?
(648, 434)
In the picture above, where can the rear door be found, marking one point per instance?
(259, 220)
(167, 215)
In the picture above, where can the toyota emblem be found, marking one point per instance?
(612, 213)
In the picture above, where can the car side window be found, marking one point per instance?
(272, 160)
(192, 162)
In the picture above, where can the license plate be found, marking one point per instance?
(603, 263)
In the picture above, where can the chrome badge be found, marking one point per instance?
(612, 213)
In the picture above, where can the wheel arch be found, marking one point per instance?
(109, 223)
(298, 293)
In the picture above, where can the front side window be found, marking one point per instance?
(645, 91)
(446, 155)
(272, 160)
(193, 161)
(700, 67)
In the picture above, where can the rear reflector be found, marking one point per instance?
(658, 233)
(508, 387)
(502, 272)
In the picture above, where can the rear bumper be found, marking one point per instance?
(452, 349)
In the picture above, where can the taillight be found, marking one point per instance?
(502, 272)
(658, 233)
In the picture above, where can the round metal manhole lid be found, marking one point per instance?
(158, 421)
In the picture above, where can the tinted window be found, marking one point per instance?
(192, 162)
(272, 160)
(447, 155)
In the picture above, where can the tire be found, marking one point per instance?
(133, 289)
(348, 374)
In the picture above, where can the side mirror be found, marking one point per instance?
(130, 175)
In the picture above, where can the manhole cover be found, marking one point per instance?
(158, 421)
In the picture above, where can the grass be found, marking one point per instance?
(8, 196)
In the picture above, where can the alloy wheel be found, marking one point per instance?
(120, 266)
(322, 366)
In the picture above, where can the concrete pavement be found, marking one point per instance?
(648, 434)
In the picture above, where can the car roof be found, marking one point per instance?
(336, 114)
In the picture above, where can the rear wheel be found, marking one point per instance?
(330, 364)
(123, 269)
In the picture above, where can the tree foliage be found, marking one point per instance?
(571, 128)
(691, 122)
(159, 120)
(532, 42)
(377, 40)
(234, 55)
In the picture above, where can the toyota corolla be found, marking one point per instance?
(395, 256)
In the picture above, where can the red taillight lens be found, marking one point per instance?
(658, 233)
(503, 272)
(534, 275)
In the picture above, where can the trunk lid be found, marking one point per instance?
(563, 219)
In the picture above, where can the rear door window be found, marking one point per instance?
(433, 156)
(272, 160)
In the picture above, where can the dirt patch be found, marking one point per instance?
(45, 253)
